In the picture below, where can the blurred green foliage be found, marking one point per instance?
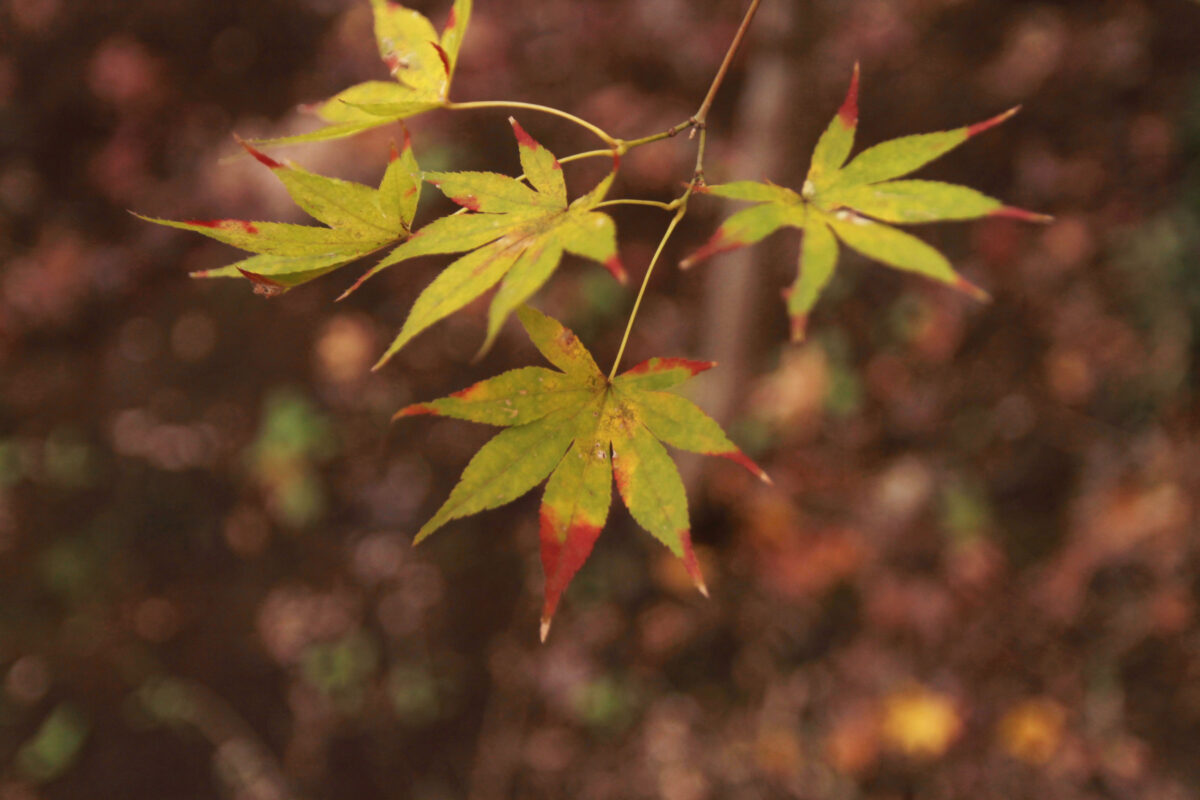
(55, 746)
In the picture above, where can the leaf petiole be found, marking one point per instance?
(588, 154)
(697, 123)
(671, 206)
(642, 291)
(681, 204)
(613, 142)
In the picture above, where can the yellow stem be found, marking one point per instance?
(587, 154)
(671, 206)
(583, 123)
(642, 291)
(681, 202)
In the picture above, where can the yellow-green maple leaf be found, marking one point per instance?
(583, 431)
(853, 202)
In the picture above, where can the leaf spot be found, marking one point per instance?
(467, 201)
(225, 224)
(263, 285)
(395, 63)
(444, 56)
(846, 215)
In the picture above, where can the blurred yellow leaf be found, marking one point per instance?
(920, 723)
(1032, 730)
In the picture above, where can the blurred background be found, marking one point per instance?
(976, 574)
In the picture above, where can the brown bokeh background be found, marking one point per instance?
(976, 575)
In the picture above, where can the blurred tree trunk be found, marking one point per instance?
(734, 291)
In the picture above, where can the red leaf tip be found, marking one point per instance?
(262, 157)
(717, 244)
(1012, 212)
(966, 287)
(545, 631)
(416, 409)
(738, 457)
(691, 564)
(799, 327)
(617, 269)
(980, 127)
(353, 288)
(523, 138)
(561, 558)
(848, 113)
(263, 285)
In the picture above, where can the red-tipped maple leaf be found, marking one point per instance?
(582, 430)
(851, 202)
(360, 221)
(516, 236)
(420, 62)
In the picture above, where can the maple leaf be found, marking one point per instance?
(852, 202)
(421, 63)
(360, 221)
(516, 236)
(575, 426)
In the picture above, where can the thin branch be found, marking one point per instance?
(696, 123)
(702, 114)
(674, 130)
